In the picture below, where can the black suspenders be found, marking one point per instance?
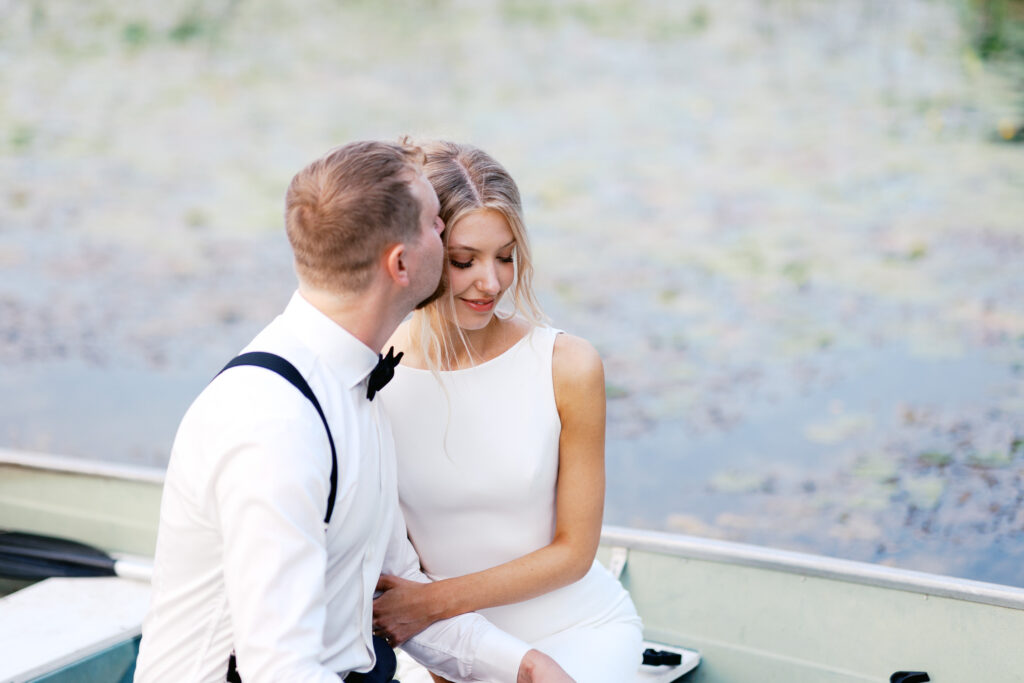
(275, 363)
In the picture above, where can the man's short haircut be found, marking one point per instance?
(343, 210)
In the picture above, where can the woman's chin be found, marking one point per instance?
(469, 321)
(473, 323)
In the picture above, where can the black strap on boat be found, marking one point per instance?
(909, 677)
(275, 363)
(654, 657)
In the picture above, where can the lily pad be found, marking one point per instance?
(924, 492)
(935, 458)
(838, 429)
(733, 481)
(613, 391)
(879, 467)
(856, 527)
(990, 459)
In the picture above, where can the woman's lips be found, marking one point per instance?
(480, 305)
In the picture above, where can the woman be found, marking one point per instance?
(499, 433)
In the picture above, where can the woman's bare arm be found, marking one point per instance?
(405, 607)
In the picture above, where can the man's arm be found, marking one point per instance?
(467, 648)
(271, 506)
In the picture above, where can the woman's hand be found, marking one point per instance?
(403, 609)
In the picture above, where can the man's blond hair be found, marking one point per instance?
(344, 209)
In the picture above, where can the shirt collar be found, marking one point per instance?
(350, 359)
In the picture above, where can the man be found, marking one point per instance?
(261, 560)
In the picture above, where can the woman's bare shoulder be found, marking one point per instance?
(575, 361)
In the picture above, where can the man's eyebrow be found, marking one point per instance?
(474, 250)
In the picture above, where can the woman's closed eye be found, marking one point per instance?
(466, 264)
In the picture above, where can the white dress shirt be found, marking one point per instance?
(243, 558)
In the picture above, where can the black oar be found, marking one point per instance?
(34, 556)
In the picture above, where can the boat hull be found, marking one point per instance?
(764, 615)
(755, 614)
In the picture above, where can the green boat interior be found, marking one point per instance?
(752, 613)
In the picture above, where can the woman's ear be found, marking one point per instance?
(395, 264)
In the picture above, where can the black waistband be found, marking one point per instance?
(383, 671)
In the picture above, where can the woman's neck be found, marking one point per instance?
(474, 346)
(466, 347)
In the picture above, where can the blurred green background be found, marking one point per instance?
(793, 228)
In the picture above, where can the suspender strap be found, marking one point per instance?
(275, 363)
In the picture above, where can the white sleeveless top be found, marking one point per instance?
(477, 466)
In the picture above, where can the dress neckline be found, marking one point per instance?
(506, 352)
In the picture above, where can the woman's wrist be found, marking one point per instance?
(443, 600)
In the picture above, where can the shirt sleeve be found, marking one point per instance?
(270, 505)
(463, 649)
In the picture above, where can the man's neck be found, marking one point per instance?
(367, 316)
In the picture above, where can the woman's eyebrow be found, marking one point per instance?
(474, 250)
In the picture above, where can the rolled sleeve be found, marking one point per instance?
(468, 649)
(501, 655)
(464, 649)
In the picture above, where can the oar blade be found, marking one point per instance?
(34, 556)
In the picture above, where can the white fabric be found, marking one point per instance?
(477, 466)
(243, 559)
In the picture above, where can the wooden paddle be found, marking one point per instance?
(34, 557)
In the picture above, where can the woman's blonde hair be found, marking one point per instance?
(468, 180)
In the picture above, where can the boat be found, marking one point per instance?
(753, 614)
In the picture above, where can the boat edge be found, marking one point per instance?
(64, 463)
(728, 552)
(673, 544)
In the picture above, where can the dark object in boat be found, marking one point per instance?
(909, 677)
(654, 657)
(34, 557)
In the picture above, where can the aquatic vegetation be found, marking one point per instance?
(733, 481)
(935, 458)
(792, 229)
(924, 492)
(838, 429)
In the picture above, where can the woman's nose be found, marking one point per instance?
(488, 282)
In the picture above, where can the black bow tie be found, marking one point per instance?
(382, 372)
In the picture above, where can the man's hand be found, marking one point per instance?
(537, 667)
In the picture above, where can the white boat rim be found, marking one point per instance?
(728, 552)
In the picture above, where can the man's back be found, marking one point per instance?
(242, 516)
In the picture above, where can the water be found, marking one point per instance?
(843, 470)
(793, 230)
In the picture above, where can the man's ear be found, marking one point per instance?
(395, 264)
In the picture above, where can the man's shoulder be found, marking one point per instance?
(256, 385)
(249, 413)
(249, 393)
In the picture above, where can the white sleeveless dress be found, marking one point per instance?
(477, 466)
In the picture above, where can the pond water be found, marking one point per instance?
(794, 230)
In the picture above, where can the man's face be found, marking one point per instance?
(426, 255)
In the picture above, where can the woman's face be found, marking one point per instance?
(480, 266)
